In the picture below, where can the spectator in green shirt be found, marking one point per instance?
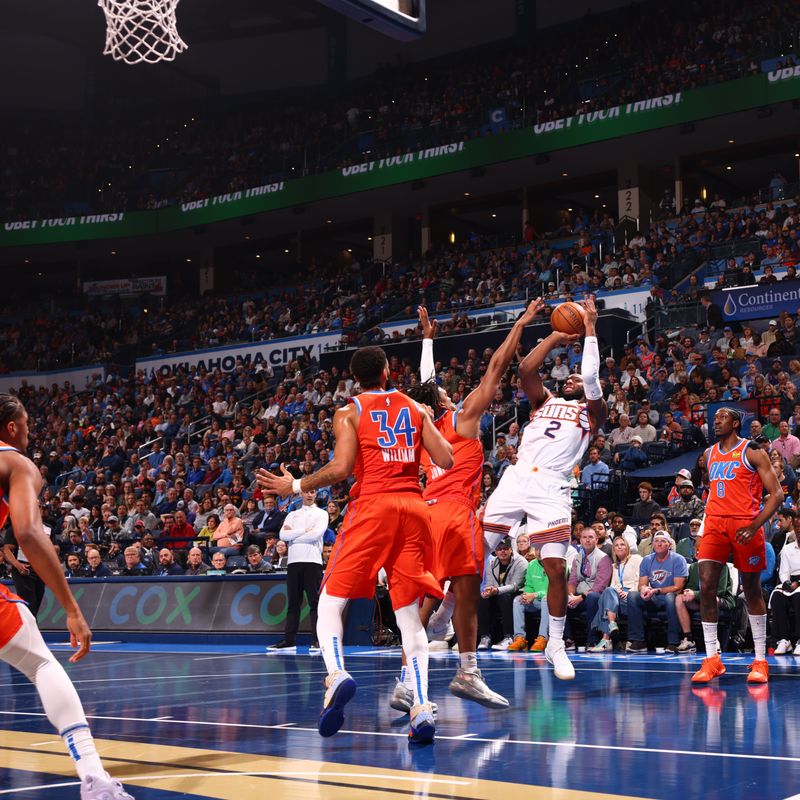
(772, 428)
(530, 602)
(689, 600)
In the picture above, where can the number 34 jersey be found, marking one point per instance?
(556, 437)
(389, 444)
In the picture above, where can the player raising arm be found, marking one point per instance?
(379, 438)
(537, 485)
(21, 643)
(453, 497)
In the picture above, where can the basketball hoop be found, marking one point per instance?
(141, 30)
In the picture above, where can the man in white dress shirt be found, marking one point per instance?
(303, 531)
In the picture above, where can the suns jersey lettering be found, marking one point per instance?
(389, 443)
(463, 479)
(735, 488)
(557, 436)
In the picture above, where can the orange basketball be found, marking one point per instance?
(568, 318)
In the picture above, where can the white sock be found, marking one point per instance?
(710, 637)
(415, 646)
(330, 630)
(28, 653)
(80, 746)
(444, 613)
(556, 629)
(758, 627)
(469, 662)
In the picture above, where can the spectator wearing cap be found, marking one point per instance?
(769, 335)
(787, 445)
(724, 341)
(661, 389)
(688, 505)
(674, 492)
(704, 345)
(504, 578)
(634, 457)
(772, 428)
(662, 574)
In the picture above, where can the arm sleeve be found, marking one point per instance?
(590, 369)
(427, 370)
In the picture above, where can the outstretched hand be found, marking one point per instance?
(428, 327)
(275, 484)
(534, 307)
(589, 309)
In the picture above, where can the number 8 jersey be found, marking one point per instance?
(389, 444)
(735, 487)
(556, 437)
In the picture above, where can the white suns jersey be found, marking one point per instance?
(557, 436)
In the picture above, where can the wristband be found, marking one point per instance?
(296, 485)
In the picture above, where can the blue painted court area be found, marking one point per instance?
(234, 722)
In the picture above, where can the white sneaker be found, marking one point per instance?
(440, 632)
(603, 646)
(503, 645)
(562, 666)
(485, 643)
(103, 787)
(783, 647)
(796, 651)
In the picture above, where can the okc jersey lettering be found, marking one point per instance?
(556, 437)
(735, 488)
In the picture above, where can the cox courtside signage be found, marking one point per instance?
(758, 302)
(273, 353)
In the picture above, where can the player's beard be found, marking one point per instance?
(573, 395)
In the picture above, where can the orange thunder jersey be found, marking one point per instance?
(389, 443)
(735, 488)
(463, 479)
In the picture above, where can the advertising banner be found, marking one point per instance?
(580, 129)
(204, 604)
(156, 285)
(758, 302)
(275, 353)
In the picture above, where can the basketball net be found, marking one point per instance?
(141, 30)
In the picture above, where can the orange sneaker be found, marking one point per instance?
(710, 668)
(519, 643)
(759, 672)
(539, 645)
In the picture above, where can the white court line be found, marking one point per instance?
(286, 725)
(313, 774)
(37, 788)
(466, 736)
(42, 744)
(234, 655)
(523, 742)
(160, 719)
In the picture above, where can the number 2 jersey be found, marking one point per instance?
(389, 444)
(735, 487)
(557, 436)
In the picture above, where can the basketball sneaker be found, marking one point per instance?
(103, 787)
(562, 666)
(759, 672)
(520, 643)
(341, 688)
(403, 698)
(423, 726)
(471, 686)
(710, 668)
(539, 644)
(603, 646)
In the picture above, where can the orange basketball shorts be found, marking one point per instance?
(392, 531)
(10, 618)
(719, 541)
(457, 539)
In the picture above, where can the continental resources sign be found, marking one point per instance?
(758, 302)
(580, 129)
